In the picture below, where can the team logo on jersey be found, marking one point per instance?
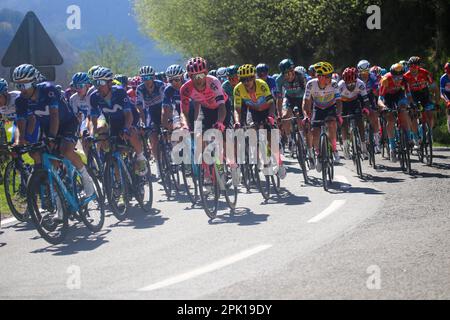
(51, 94)
(213, 86)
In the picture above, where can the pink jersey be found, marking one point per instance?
(210, 98)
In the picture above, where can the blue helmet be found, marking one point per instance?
(80, 78)
(174, 71)
(233, 70)
(3, 86)
(122, 79)
(212, 72)
(26, 73)
(161, 76)
(262, 68)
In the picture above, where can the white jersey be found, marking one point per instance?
(322, 98)
(347, 95)
(9, 111)
(80, 104)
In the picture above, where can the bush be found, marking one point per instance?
(440, 132)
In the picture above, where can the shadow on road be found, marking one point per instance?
(21, 226)
(141, 220)
(441, 166)
(241, 217)
(79, 239)
(418, 174)
(371, 178)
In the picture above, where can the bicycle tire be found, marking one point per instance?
(211, 211)
(356, 142)
(324, 158)
(191, 189)
(120, 212)
(301, 156)
(19, 208)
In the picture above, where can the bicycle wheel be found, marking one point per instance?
(301, 155)
(165, 174)
(262, 182)
(116, 189)
(371, 147)
(428, 138)
(324, 158)
(143, 189)
(356, 149)
(209, 190)
(92, 213)
(95, 164)
(15, 182)
(231, 191)
(190, 182)
(48, 210)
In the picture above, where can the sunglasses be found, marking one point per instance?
(328, 76)
(398, 78)
(24, 86)
(262, 74)
(98, 83)
(247, 79)
(176, 80)
(79, 86)
(289, 71)
(147, 78)
(198, 76)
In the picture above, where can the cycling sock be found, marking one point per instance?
(392, 143)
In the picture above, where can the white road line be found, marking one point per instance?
(209, 268)
(335, 205)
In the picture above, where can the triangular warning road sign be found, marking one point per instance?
(31, 44)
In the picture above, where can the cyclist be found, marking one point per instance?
(420, 83)
(323, 98)
(289, 93)
(302, 70)
(372, 88)
(228, 87)
(352, 91)
(171, 102)
(445, 91)
(46, 103)
(121, 80)
(121, 116)
(256, 95)
(79, 102)
(150, 94)
(212, 73)
(393, 97)
(311, 72)
(262, 71)
(134, 82)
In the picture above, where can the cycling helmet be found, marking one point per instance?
(311, 68)
(376, 70)
(123, 80)
(262, 68)
(146, 71)
(349, 75)
(323, 68)
(3, 86)
(300, 69)
(92, 70)
(363, 66)
(80, 78)
(103, 73)
(404, 64)
(414, 61)
(233, 70)
(285, 65)
(213, 72)
(383, 71)
(447, 67)
(336, 77)
(196, 65)
(222, 72)
(247, 70)
(161, 76)
(397, 69)
(174, 71)
(25, 73)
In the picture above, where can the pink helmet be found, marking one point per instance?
(196, 65)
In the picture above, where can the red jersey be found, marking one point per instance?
(419, 82)
(132, 95)
(388, 85)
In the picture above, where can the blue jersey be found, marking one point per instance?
(150, 100)
(114, 109)
(171, 98)
(272, 84)
(445, 86)
(371, 85)
(48, 97)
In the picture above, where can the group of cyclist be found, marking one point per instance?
(100, 103)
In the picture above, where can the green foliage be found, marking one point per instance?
(120, 56)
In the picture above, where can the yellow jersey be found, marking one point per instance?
(260, 100)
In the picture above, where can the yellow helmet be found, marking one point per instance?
(323, 68)
(246, 70)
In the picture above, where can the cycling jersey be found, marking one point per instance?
(272, 83)
(48, 97)
(132, 95)
(419, 82)
(9, 110)
(372, 84)
(171, 98)
(210, 98)
(388, 85)
(113, 109)
(228, 89)
(81, 105)
(322, 98)
(294, 89)
(358, 91)
(260, 100)
(150, 100)
(445, 86)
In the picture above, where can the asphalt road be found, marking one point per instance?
(383, 237)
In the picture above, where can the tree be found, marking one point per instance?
(120, 56)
